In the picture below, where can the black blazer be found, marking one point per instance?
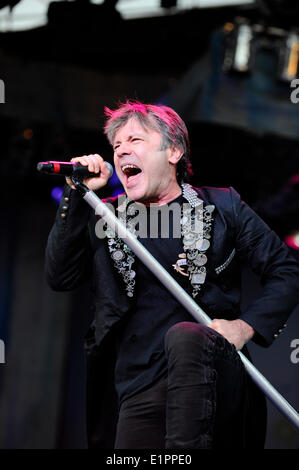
(239, 236)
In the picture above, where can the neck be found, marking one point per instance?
(162, 199)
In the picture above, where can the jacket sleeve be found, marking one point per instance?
(270, 258)
(68, 251)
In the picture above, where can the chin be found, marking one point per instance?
(135, 195)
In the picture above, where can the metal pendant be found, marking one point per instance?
(118, 255)
(181, 266)
(203, 245)
(200, 259)
(198, 278)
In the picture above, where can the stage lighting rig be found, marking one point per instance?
(289, 57)
(243, 40)
(238, 54)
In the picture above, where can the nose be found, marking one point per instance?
(123, 149)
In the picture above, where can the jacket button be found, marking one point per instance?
(276, 335)
(63, 215)
(66, 199)
(65, 208)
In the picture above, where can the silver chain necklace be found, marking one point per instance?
(196, 225)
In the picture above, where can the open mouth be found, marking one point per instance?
(131, 172)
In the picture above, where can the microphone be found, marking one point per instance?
(69, 169)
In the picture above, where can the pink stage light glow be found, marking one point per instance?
(292, 240)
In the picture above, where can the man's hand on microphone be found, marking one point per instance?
(95, 164)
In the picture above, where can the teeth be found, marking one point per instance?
(128, 166)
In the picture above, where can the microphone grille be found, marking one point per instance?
(110, 168)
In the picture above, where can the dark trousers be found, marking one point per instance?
(203, 403)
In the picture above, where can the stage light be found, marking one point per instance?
(56, 193)
(28, 134)
(292, 240)
(238, 51)
(289, 58)
(244, 40)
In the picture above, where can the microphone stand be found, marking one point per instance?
(181, 295)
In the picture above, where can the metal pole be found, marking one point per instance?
(190, 305)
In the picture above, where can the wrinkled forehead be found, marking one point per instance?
(136, 123)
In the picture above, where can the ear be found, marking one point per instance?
(175, 155)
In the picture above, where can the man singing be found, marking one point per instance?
(156, 378)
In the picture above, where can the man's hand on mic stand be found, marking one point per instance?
(237, 332)
(95, 164)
